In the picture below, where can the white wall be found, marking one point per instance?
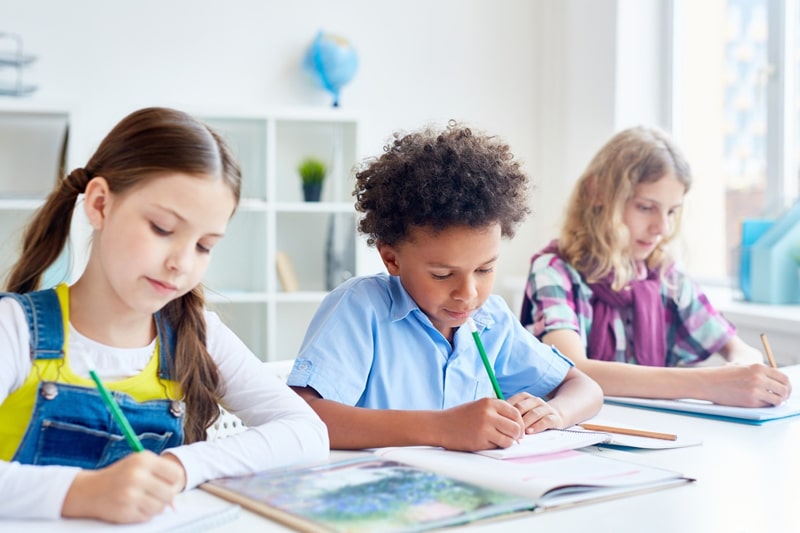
(542, 74)
(420, 61)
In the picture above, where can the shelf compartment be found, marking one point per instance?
(247, 138)
(248, 321)
(304, 237)
(237, 261)
(33, 151)
(292, 320)
(333, 142)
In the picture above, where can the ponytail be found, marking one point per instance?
(47, 234)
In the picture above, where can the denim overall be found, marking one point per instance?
(70, 425)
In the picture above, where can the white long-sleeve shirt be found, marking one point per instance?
(282, 428)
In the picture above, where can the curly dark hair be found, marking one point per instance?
(440, 179)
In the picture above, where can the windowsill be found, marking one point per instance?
(764, 317)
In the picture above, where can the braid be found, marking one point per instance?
(198, 374)
(47, 234)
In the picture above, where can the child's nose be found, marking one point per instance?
(180, 259)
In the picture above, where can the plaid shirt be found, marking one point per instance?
(557, 297)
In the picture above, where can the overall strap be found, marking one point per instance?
(45, 323)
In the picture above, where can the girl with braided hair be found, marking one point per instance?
(158, 193)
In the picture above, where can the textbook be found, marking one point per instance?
(365, 494)
(744, 415)
(419, 488)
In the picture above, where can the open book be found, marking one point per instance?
(418, 488)
(365, 494)
(745, 415)
(553, 480)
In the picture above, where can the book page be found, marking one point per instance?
(541, 477)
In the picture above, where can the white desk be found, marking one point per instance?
(748, 480)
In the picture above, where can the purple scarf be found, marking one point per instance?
(649, 335)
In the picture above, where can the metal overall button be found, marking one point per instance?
(176, 408)
(49, 390)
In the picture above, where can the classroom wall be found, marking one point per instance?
(543, 74)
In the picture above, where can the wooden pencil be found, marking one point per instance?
(768, 351)
(628, 431)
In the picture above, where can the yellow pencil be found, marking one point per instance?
(768, 351)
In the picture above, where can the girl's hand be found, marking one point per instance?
(133, 489)
(754, 385)
(480, 425)
(537, 414)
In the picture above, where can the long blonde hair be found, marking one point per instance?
(594, 238)
(145, 145)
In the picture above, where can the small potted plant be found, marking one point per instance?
(312, 173)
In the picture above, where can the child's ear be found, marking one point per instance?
(96, 201)
(389, 258)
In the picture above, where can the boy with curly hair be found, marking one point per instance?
(388, 359)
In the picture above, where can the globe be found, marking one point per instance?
(331, 61)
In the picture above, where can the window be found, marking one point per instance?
(736, 116)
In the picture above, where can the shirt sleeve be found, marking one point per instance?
(699, 330)
(549, 292)
(282, 428)
(26, 491)
(339, 371)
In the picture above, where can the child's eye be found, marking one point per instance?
(488, 270)
(158, 230)
(203, 249)
(643, 207)
(440, 276)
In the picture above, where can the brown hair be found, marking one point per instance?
(594, 238)
(143, 146)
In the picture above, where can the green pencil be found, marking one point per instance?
(485, 358)
(116, 412)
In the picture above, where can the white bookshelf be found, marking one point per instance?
(242, 282)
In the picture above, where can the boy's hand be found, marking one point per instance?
(537, 414)
(480, 425)
(133, 489)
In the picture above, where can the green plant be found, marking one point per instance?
(312, 170)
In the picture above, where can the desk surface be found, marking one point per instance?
(748, 480)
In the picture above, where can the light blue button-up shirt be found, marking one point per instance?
(370, 345)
